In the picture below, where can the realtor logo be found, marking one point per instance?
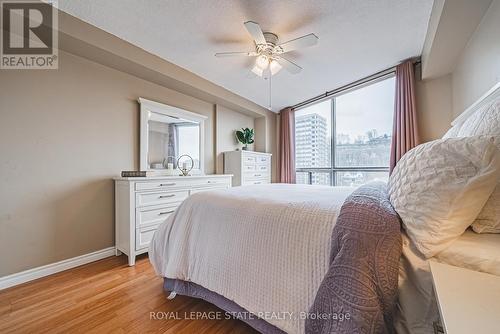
(29, 35)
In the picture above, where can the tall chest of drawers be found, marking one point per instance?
(248, 167)
(142, 204)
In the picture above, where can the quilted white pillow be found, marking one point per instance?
(488, 220)
(438, 189)
(485, 121)
(452, 132)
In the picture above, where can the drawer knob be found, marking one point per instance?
(166, 184)
(211, 181)
(165, 213)
(166, 196)
(258, 174)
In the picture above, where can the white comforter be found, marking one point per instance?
(265, 247)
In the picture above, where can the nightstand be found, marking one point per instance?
(469, 301)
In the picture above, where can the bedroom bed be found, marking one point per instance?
(268, 253)
(248, 246)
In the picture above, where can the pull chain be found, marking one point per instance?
(270, 92)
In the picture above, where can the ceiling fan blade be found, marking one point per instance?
(288, 65)
(254, 30)
(232, 54)
(299, 43)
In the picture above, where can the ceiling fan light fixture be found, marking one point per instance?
(262, 62)
(274, 67)
(269, 51)
(257, 70)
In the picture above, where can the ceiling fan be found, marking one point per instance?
(269, 54)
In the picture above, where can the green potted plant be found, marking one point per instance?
(245, 136)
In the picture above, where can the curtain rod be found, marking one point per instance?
(368, 79)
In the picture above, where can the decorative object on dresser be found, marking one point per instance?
(135, 173)
(142, 204)
(170, 163)
(245, 136)
(248, 167)
(183, 162)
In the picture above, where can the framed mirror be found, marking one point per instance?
(166, 133)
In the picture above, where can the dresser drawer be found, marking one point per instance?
(262, 168)
(249, 167)
(143, 236)
(162, 184)
(199, 190)
(153, 216)
(213, 182)
(258, 181)
(263, 159)
(256, 175)
(249, 159)
(164, 197)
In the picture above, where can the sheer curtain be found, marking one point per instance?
(286, 157)
(405, 130)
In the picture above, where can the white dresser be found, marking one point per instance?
(248, 167)
(143, 203)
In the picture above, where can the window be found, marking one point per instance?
(187, 136)
(346, 140)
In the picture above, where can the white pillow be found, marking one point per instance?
(485, 121)
(452, 132)
(488, 220)
(438, 189)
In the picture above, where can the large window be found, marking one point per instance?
(345, 140)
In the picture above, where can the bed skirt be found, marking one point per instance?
(194, 290)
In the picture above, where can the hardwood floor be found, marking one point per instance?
(106, 296)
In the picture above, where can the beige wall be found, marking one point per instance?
(266, 139)
(478, 68)
(442, 99)
(434, 107)
(63, 135)
(226, 122)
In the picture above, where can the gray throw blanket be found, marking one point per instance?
(359, 291)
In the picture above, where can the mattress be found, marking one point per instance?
(417, 308)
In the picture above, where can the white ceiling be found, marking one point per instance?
(356, 38)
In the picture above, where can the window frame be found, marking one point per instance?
(333, 170)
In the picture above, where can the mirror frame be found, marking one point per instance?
(147, 107)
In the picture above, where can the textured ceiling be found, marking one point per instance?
(356, 38)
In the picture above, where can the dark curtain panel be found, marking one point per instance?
(286, 157)
(405, 130)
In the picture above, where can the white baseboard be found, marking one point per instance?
(49, 269)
